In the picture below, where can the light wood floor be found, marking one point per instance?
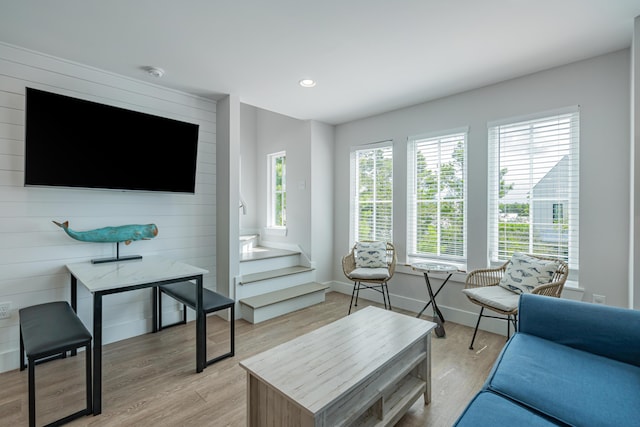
(150, 380)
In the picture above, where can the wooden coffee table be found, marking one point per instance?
(368, 367)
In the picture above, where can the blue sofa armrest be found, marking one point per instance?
(604, 330)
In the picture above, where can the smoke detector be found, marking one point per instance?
(155, 71)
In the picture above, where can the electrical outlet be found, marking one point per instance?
(5, 310)
(599, 299)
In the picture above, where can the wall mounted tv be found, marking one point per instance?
(72, 142)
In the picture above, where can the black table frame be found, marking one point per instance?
(97, 326)
(440, 332)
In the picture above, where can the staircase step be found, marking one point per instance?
(261, 252)
(272, 304)
(271, 274)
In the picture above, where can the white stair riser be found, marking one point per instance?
(248, 243)
(259, 265)
(283, 307)
(273, 284)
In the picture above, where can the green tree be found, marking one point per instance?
(374, 192)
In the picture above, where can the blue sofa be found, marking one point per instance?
(570, 363)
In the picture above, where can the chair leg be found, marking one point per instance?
(512, 319)
(357, 293)
(386, 286)
(508, 326)
(32, 392)
(476, 330)
(22, 365)
(353, 292)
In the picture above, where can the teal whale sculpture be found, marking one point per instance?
(123, 233)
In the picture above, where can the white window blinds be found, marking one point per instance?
(436, 195)
(372, 192)
(533, 187)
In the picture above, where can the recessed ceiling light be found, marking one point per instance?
(307, 83)
(155, 71)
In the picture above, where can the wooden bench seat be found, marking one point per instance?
(185, 293)
(49, 331)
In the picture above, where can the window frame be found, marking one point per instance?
(437, 138)
(569, 206)
(272, 191)
(354, 226)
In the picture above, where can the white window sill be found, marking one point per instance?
(275, 231)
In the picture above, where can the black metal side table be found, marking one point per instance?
(438, 268)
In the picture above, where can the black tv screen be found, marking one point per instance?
(72, 142)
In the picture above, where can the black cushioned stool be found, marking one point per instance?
(185, 293)
(48, 331)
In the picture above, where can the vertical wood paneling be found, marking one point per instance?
(33, 251)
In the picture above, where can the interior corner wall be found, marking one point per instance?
(227, 195)
(33, 251)
(248, 174)
(322, 141)
(600, 86)
(277, 132)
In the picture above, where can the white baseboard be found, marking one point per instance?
(455, 315)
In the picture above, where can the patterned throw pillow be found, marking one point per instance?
(371, 254)
(523, 273)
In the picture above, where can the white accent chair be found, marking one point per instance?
(499, 289)
(370, 265)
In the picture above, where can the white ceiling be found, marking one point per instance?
(368, 56)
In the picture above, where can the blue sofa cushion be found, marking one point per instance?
(611, 332)
(488, 409)
(570, 385)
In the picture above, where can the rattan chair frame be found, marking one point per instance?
(379, 285)
(485, 277)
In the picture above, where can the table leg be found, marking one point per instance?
(434, 295)
(97, 353)
(74, 302)
(437, 315)
(200, 327)
(154, 309)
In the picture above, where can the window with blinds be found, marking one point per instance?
(534, 182)
(436, 195)
(372, 192)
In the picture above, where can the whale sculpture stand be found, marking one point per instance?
(117, 258)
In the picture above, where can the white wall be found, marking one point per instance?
(33, 251)
(322, 143)
(600, 86)
(248, 168)
(276, 132)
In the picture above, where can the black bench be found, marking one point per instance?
(48, 331)
(185, 293)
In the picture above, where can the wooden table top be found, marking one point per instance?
(316, 368)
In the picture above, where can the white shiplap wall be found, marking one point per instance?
(34, 251)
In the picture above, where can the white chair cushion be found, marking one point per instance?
(370, 273)
(494, 296)
(524, 273)
(371, 254)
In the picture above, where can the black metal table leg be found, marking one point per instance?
(201, 349)
(434, 295)
(74, 302)
(97, 353)
(439, 319)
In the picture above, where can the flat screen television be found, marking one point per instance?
(71, 142)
